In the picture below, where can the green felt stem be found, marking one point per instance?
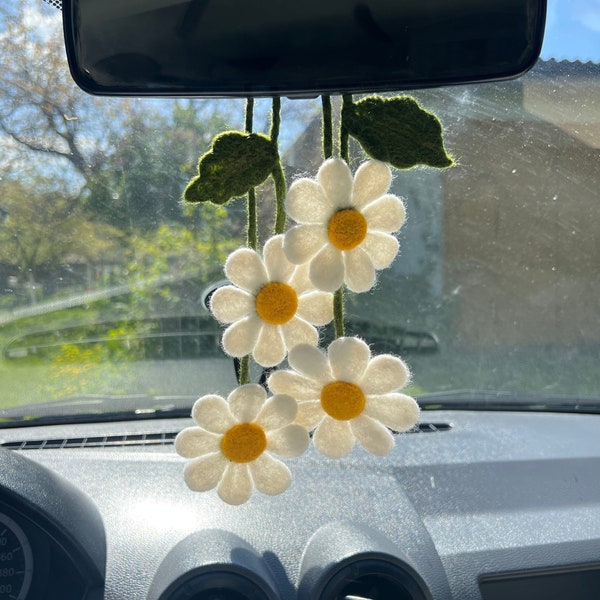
(280, 194)
(338, 313)
(252, 225)
(275, 119)
(249, 122)
(244, 377)
(338, 298)
(278, 173)
(327, 127)
(344, 135)
(251, 232)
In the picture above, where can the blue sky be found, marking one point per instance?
(572, 30)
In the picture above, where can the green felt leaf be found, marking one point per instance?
(397, 131)
(236, 163)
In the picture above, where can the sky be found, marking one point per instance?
(572, 30)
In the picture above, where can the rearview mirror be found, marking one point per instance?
(290, 47)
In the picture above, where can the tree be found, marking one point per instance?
(41, 109)
(44, 229)
(176, 261)
(140, 184)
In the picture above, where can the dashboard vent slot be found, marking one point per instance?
(431, 427)
(141, 439)
(147, 439)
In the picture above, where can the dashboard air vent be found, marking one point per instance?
(217, 586)
(146, 439)
(141, 439)
(373, 580)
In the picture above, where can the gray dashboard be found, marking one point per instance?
(499, 504)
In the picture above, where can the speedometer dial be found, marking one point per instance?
(16, 560)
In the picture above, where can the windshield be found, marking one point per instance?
(105, 273)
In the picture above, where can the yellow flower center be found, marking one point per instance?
(347, 229)
(276, 303)
(244, 443)
(342, 401)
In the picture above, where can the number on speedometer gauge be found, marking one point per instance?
(16, 560)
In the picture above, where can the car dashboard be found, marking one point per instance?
(470, 505)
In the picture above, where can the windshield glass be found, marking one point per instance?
(105, 273)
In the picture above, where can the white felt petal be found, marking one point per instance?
(381, 248)
(278, 411)
(372, 180)
(270, 349)
(236, 486)
(288, 441)
(310, 414)
(336, 179)
(297, 386)
(372, 435)
(245, 268)
(270, 475)
(316, 307)
(298, 331)
(204, 473)
(333, 438)
(349, 357)
(385, 214)
(302, 242)
(300, 280)
(229, 304)
(310, 362)
(327, 269)
(246, 401)
(240, 338)
(385, 373)
(360, 272)
(193, 442)
(396, 411)
(306, 202)
(212, 413)
(279, 268)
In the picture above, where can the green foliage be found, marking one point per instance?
(174, 254)
(236, 163)
(44, 229)
(140, 181)
(397, 131)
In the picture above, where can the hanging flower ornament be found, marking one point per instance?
(345, 225)
(347, 395)
(271, 305)
(344, 233)
(233, 446)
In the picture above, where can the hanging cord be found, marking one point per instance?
(252, 227)
(278, 173)
(243, 365)
(327, 127)
(344, 136)
(327, 135)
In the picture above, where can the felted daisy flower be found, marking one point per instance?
(344, 225)
(271, 306)
(232, 447)
(348, 395)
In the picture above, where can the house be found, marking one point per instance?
(504, 248)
